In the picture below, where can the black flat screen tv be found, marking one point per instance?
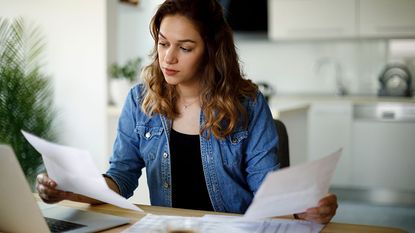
(246, 15)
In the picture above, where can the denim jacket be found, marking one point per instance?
(234, 167)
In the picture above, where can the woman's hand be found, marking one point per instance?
(324, 212)
(46, 188)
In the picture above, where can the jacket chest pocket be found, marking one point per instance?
(233, 148)
(149, 140)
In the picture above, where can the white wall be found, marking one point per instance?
(134, 37)
(75, 58)
(292, 67)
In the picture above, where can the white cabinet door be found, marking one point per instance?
(387, 18)
(330, 125)
(311, 19)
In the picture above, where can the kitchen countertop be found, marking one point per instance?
(287, 107)
(357, 99)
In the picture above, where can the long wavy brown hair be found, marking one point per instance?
(223, 86)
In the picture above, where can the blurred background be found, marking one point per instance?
(338, 73)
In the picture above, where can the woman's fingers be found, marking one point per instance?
(329, 199)
(324, 212)
(43, 179)
(46, 188)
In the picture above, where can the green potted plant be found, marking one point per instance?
(123, 78)
(25, 93)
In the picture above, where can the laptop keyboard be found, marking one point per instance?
(56, 225)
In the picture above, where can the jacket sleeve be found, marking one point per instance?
(125, 162)
(261, 152)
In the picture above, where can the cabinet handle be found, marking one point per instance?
(388, 115)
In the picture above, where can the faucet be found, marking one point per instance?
(325, 61)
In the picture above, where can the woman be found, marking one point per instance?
(204, 133)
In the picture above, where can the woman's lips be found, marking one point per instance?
(170, 72)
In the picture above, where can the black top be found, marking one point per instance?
(188, 181)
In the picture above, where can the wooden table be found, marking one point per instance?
(135, 216)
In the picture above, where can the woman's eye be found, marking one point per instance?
(185, 49)
(162, 44)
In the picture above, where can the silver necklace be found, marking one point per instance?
(189, 104)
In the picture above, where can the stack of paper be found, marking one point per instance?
(226, 224)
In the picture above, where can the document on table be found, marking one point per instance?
(226, 224)
(74, 171)
(294, 189)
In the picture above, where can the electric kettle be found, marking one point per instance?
(395, 80)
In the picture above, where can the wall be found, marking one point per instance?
(133, 32)
(75, 58)
(403, 51)
(308, 67)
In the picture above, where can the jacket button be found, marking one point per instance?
(234, 140)
(165, 155)
(166, 185)
(148, 134)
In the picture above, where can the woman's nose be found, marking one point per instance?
(170, 56)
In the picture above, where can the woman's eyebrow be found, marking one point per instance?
(180, 41)
(160, 34)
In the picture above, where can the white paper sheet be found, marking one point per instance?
(74, 171)
(226, 224)
(293, 189)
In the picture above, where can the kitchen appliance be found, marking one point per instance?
(395, 80)
(383, 152)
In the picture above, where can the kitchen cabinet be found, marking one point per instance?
(331, 19)
(386, 18)
(294, 115)
(330, 125)
(297, 19)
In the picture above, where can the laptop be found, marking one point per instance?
(20, 212)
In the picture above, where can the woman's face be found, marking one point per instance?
(180, 50)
